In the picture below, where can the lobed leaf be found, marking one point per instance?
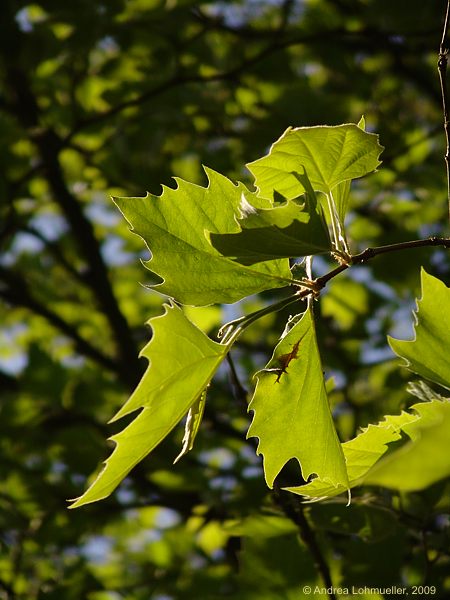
(330, 155)
(423, 460)
(182, 362)
(360, 453)
(173, 226)
(428, 353)
(292, 418)
(291, 229)
(415, 465)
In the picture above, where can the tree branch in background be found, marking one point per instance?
(17, 293)
(442, 70)
(294, 510)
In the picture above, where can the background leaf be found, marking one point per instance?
(423, 460)
(173, 226)
(292, 418)
(330, 156)
(182, 363)
(428, 353)
(364, 455)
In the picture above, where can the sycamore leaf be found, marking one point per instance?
(173, 226)
(292, 418)
(423, 460)
(182, 362)
(341, 197)
(415, 465)
(294, 228)
(428, 354)
(330, 156)
(193, 420)
(361, 453)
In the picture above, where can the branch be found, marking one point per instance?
(239, 390)
(442, 70)
(18, 294)
(295, 512)
(232, 330)
(25, 107)
(369, 253)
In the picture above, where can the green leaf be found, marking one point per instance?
(423, 460)
(330, 156)
(341, 198)
(182, 362)
(294, 228)
(173, 226)
(193, 420)
(428, 353)
(366, 450)
(292, 418)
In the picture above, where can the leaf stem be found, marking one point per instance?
(340, 244)
(233, 329)
(442, 70)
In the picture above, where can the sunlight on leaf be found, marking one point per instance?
(366, 449)
(182, 362)
(428, 354)
(173, 226)
(330, 155)
(292, 418)
(423, 460)
(290, 229)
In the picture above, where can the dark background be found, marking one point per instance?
(114, 98)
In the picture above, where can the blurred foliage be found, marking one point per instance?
(114, 98)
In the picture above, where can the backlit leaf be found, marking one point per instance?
(173, 226)
(415, 465)
(193, 420)
(292, 418)
(361, 453)
(330, 156)
(182, 362)
(423, 460)
(294, 228)
(428, 354)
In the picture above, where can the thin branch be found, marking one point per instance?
(442, 70)
(295, 512)
(232, 330)
(17, 294)
(239, 390)
(369, 253)
(56, 251)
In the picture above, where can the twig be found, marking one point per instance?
(231, 331)
(296, 514)
(442, 70)
(370, 253)
(239, 390)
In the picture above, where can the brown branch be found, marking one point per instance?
(25, 107)
(369, 253)
(97, 275)
(239, 390)
(16, 293)
(295, 512)
(442, 70)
